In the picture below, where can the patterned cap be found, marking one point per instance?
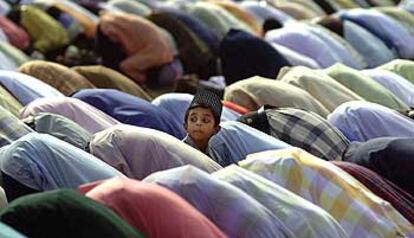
(207, 98)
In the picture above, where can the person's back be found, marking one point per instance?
(301, 40)
(324, 88)
(43, 162)
(356, 208)
(150, 47)
(131, 110)
(236, 140)
(236, 213)
(64, 213)
(254, 92)
(391, 157)
(152, 209)
(88, 117)
(304, 219)
(300, 128)
(137, 152)
(361, 121)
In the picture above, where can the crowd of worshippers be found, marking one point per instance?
(214, 118)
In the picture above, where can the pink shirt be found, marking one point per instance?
(17, 36)
(88, 117)
(152, 209)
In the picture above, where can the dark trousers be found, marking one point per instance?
(13, 188)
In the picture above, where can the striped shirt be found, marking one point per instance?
(357, 209)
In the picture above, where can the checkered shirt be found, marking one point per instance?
(307, 130)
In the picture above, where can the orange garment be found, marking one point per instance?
(235, 107)
(144, 43)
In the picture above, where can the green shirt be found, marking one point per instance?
(9, 102)
(46, 32)
(364, 86)
(404, 68)
(64, 213)
(18, 56)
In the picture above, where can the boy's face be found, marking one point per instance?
(201, 124)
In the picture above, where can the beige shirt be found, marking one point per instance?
(324, 88)
(257, 91)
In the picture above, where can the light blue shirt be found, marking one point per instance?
(301, 40)
(262, 11)
(236, 140)
(398, 85)
(8, 232)
(341, 48)
(393, 33)
(6, 62)
(43, 162)
(229, 208)
(4, 7)
(407, 5)
(361, 121)
(373, 49)
(26, 88)
(295, 58)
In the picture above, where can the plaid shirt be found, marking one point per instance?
(307, 130)
(360, 212)
(11, 128)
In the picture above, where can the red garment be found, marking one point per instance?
(235, 107)
(17, 36)
(399, 199)
(152, 209)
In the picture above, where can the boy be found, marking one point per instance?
(202, 119)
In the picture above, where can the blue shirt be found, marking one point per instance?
(131, 110)
(341, 48)
(398, 85)
(299, 39)
(232, 210)
(372, 48)
(43, 162)
(361, 121)
(392, 32)
(236, 140)
(8, 232)
(262, 11)
(25, 87)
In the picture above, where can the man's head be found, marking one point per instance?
(202, 118)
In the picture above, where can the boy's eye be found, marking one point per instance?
(206, 120)
(193, 119)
